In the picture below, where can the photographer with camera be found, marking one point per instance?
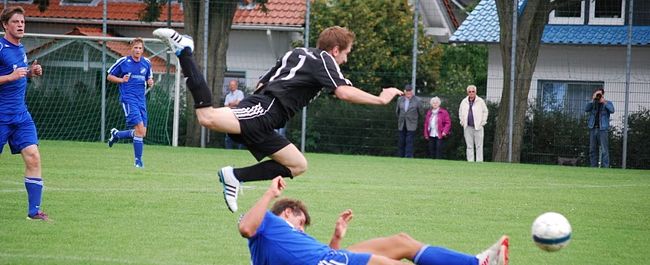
(599, 111)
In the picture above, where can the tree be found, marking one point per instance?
(532, 18)
(220, 17)
(382, 52)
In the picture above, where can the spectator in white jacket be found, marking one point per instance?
(473, 115)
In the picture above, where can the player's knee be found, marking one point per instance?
(299, 168)
(203, 118)
(32, 159)
(404, 238)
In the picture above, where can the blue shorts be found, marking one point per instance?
(135, 113)
(19, 130)
(345, 257)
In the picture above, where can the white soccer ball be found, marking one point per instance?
(551, 231)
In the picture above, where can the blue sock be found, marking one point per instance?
(128, 134)
(34, 187)
(429, 255)
(138, 146)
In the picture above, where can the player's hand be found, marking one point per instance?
(36, 69)
(19, 73)
(387, 94)
(126, 77)
(150, 82)
(342, 224)
(277, 185)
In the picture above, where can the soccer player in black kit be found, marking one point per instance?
(297, 78)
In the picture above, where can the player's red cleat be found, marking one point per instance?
(39, 216)
(497, 254)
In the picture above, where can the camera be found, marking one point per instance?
(599, 96)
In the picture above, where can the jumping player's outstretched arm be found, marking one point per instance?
(253, 218)
(357, 96)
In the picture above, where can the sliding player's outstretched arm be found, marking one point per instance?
(253, 218)
(340, 228)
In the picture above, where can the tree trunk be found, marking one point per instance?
(530, 27)
(221, 14)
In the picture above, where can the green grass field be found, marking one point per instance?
(172, 212)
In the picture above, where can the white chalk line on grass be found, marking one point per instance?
(217, 188)
(91, 259)
(95, 190)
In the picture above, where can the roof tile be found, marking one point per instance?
(280, 12)
(482, 26)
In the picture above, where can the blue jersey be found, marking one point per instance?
(12, 94)
(132, 91)
(278, 243)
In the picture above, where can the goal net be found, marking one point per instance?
(74, 101)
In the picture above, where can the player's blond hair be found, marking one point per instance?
(136, 41)
(335, 36)
(8, 12)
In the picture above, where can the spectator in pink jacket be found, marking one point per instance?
(437, 126)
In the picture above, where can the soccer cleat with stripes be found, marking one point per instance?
(231, 187)
(40, 216)
(112, 140)
(497, 254)
(174, 40)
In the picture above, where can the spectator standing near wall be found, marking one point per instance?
(473, 115)
(409, 109)
(437, 126)
(599, 111)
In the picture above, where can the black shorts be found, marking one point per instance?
(259, 116)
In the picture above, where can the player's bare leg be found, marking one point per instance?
(32, 158)
(219, 119)
(399, 246)
(292, 158)
(33, 182)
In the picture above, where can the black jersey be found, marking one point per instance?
(300, 76)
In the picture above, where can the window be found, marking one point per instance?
(246, 4)
(79, 2)
(607, 12)
(568, 13)
(565, 96)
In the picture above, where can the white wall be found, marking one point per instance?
(584, 63)
(250, 51)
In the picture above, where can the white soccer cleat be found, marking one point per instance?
(497, 254)
(113, 139)
(231, 187)
(175, 40)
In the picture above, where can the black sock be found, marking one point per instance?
(195, 80)
(266, 170)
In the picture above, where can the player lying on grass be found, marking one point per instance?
(277, 237)
(297, 78)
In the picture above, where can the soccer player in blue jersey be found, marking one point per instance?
(277, 237)
(133, 74)
(16, 124)
(297, 78)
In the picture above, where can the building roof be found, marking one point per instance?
(289, 13)
(482, 26)
(119, 48)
